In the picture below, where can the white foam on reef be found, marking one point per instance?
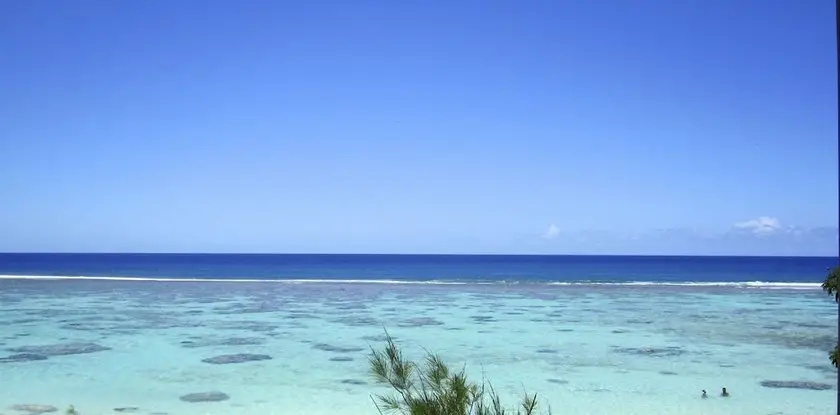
(786, 285)
(734, 284)
(751, 284)
(242, 280)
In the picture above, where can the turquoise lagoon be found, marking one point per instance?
(584, 348)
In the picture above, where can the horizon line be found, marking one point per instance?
(419, 254)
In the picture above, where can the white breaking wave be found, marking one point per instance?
(734, 284)
(242, 280)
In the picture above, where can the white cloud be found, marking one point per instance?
(552, 232)
(762, 226)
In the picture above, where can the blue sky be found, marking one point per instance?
(629, 127)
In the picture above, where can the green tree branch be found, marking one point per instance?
(831, 286)
(433, 388)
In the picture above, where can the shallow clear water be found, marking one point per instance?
(586, 349)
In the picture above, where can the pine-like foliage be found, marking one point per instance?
(432, 388)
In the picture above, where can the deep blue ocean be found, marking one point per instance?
(463, 268)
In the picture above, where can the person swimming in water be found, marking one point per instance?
(704, 395)
(724, 393)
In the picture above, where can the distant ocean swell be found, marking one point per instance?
(733, 284)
